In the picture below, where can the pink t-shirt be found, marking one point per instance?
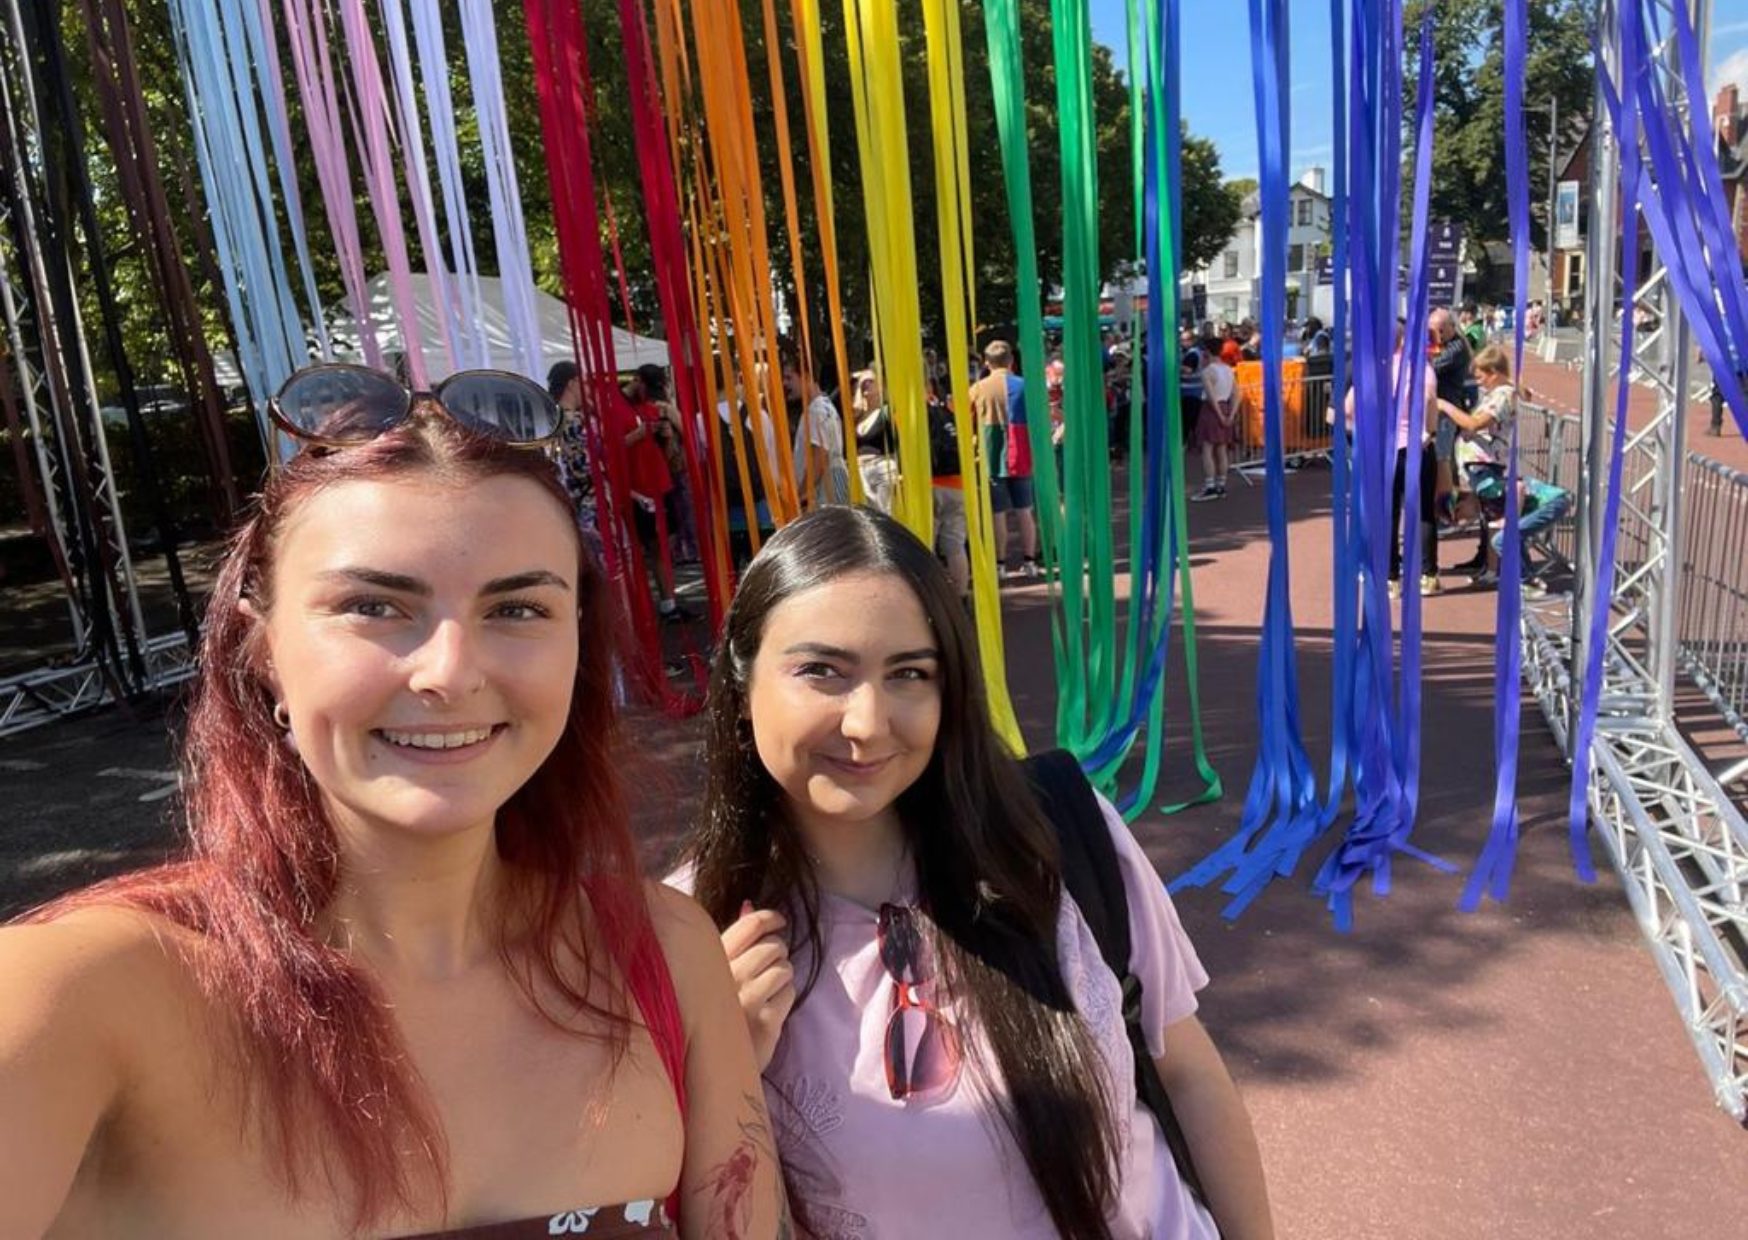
(866, 1167)
(1428, 383)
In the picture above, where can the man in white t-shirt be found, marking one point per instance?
(819, 440)
(1217, 423)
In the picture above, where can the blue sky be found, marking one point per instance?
(1216, 65)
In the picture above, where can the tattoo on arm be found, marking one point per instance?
(727, 1187)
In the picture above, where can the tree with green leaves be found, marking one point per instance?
(1468, 145)
(1211, 207)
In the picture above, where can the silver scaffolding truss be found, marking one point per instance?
(1679, 844)
(68, 445)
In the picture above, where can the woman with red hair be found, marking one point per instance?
(407, 977)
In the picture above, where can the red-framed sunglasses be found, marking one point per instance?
(336, 403)
(923, 1051)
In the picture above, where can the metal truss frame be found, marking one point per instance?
(69, 446)
(1678, 842)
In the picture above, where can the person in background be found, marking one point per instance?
(1473, 327)
(1053, 386)
(1485, 445)
(572, 452)
(649, 387)
(1189, 388)
(999, 402)
(646, 429)
(1217, 422)
(1419, 444)
(1540, 505)
(947, 487)
(876, 440)
(945, 1048)
(1451, 366)
(821, 474)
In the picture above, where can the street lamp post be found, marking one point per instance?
(1552, 107)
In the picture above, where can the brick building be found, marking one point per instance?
(1730, 124)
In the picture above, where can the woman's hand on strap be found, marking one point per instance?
(758, 957)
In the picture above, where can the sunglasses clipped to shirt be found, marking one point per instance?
(922, 1049)
(336, 404)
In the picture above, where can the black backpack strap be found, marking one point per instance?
(1092, 877)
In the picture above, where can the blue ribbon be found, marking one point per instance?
(1386, 727)
(1283, 786)
(1683, 205)
(1492, 873)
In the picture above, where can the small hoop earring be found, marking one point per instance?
(282, 716)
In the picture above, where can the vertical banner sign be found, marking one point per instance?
(1444, 269)
(1566, 216)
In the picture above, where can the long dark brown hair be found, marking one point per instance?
(987, 863)
(317, 1046)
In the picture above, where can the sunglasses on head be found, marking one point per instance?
(335, 404)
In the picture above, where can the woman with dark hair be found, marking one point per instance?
(946, 1051)
(406, 977)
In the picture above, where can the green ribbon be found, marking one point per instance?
(1098, 679)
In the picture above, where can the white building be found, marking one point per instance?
(1231, 280)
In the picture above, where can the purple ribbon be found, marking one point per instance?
(1492, 873)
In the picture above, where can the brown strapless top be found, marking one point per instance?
(635, 1220)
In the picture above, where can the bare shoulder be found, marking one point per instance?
(692, 946)
(88, 952)
(83, 1001)
(680, 922)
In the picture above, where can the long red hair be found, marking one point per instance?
(263, 862)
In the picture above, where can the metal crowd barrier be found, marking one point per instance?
(1712, 610)
(1304, 419)
(1713, 607)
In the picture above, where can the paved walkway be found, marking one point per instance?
(1516, 1073)
(1561, 387)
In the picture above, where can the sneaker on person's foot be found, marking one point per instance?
(1486, 579)
(1430, 585)
(1534, 590)
(1029, 569)
(1210, 490)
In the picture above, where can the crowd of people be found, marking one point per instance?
(407, 978)
(1470, 403)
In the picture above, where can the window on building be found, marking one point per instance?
(1304, 208)
(1231, 264)
(1295, 258)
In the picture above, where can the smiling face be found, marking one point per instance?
(423, 639)
(845, 699)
